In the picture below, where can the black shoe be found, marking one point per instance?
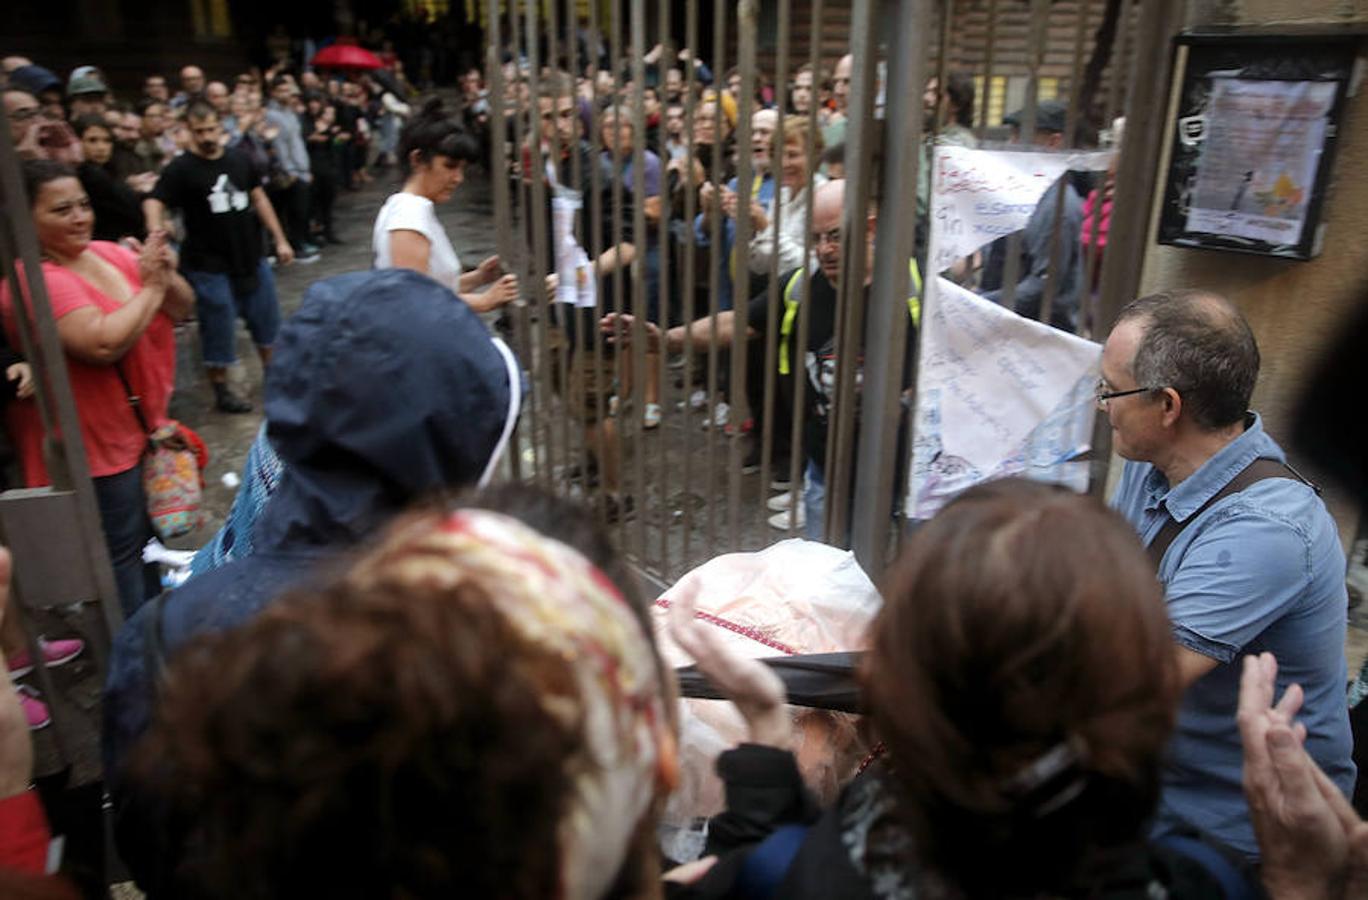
(227, 401)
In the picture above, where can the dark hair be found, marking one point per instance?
(82, 124)
(834, 155)
(959, 87)
(1197, 343)
(38, 172)
(434, 133)
(278, 80)
(1022, 624)
(407, 748)
(427, 765)
(199, 110)
(146, 103)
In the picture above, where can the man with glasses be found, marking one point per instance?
(817, 358)
(1249, 556)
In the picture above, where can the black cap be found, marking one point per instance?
(1050, 116)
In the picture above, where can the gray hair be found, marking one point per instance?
(1197, 343)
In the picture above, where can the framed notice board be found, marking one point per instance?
(1258, 118)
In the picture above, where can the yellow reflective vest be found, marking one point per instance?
(791, 310)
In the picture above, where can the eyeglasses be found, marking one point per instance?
(826, 237)
(1104, 396)
(23, 115)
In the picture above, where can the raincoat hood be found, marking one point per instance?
(384, 387)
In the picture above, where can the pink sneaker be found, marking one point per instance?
(55, 653)
(35, 710)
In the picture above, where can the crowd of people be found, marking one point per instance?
(363, 691)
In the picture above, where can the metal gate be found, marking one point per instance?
(693, 496)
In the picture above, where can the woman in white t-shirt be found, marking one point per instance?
(434, 150)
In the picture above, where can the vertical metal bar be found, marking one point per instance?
(947, 14)
(503, 226)
(619, 277)
(598, 246)
(714, 276)
(643, 240)
(668, 420)
(886, 346)
(860, 139)
(991, 46)
(746, 12)
(540, 466)
(687, 301)
(574, 392)
(557, 80)
(1120, 70)
(797, 348)
(1137, 177)
(1070, 140)
(767, 416)
(535, 214)
(1039, 28)
(68, 466)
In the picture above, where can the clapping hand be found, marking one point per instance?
(156, 259)
(1313, 843)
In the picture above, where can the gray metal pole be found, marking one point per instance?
(877, 456)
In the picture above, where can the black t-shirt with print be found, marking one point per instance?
(222, 231)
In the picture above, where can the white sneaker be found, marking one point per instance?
(720, 417)
(780, 521)
(651, 417)
(698, 399)
(781, 502)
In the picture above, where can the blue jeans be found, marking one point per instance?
(218, 306)
(814, 502)
(123, 518)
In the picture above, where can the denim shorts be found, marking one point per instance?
(218, 307)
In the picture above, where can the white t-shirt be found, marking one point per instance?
(409, 212)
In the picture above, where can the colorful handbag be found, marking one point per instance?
(171, 473)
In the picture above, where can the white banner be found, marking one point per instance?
(997, 394)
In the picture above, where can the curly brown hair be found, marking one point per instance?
(405, 751)
(1021, 620)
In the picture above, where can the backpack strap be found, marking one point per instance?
(1234, 884)
(1259, 470)
(768, 863)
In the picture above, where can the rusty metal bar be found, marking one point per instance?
(619, 282)
(690, 287)
(886, 347)
(860, 139)
(640, 302)
(663, 288)
(797, 348)
(504, 244)
(535, 215)
(573, 391)
(714, 276)
(540, 414)
(557, 367)
(746, 12)
(1137, 177)
(768, 415)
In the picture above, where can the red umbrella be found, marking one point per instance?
(346, 56)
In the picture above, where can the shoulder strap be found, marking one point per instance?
(768, 863)
(1259, 470)
(1233, 883)
(134, 401)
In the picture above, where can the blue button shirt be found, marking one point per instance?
(1262, 570)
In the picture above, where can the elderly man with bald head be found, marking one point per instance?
(192, 87)
(817, 358)
(1249, 557)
